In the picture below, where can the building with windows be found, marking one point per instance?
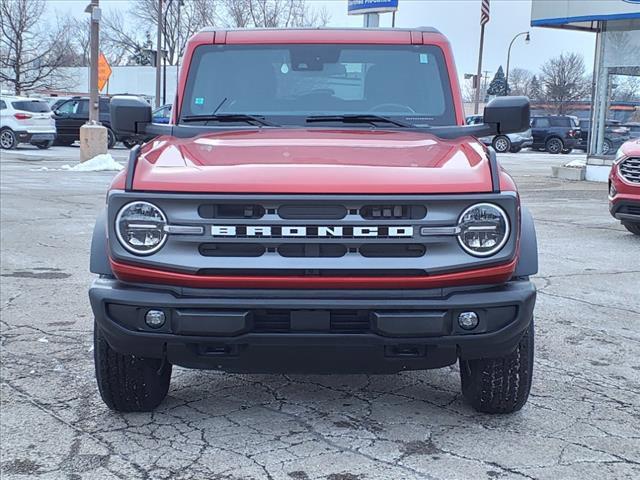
(616, 24)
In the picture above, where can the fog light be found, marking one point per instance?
(468, 320)
(154, 318)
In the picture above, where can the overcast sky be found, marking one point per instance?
(459, 20)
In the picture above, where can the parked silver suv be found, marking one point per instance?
(25, 120)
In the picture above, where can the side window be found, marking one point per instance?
(68, 107)
(103, 105)
(83, 107)
(561, 122)
(3, 105)
(542, 123)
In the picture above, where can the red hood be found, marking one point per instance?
(314, 161)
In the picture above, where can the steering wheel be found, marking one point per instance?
(396, 107)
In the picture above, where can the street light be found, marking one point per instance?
(527, 40)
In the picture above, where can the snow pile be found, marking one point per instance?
(579, 163)
(99, 163)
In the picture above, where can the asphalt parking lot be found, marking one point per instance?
(582, 420)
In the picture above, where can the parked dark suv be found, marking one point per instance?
(72, 113)
(614, 136)
(555, 133)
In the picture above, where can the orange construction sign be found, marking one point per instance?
(104, 71)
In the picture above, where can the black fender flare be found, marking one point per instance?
(99, 259)
(528, 261)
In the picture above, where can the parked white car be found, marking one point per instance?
(512, 142)
(26, 120)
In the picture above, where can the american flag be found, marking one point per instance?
(484, 12)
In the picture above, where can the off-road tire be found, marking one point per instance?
(129, 143)
(633, 227)
(515, 149)
(501, 384)
(554, 145)
(111, 138)
(8, 140)
(566, 151)
(44, 145)
(501, 144)
(607, 147)
(128, 383)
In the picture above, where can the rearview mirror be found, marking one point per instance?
(508, 114)
(129, 115)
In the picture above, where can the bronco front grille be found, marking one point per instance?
(350, 236)
(630, 169)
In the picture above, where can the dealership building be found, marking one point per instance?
(616, 24)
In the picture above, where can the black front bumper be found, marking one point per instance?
(266, 331)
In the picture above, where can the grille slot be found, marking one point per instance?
(232, 249)
(231, 210)
(393, 212)
(380, 250)
(341, 321)
(630, 169)
(313, 250)
(630, 209)
(312, 212)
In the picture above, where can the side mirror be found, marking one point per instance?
(508, 114)
(129, 115)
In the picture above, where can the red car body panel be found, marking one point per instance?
(314, 161)
(625, 191)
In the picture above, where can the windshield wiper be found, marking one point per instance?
(230, 117)
(359, 118)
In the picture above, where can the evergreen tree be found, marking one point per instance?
(535, 90)
(498, 86)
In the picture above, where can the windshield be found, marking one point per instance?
(293, 82)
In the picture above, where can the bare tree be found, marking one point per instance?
(564, 81)
(181, 19)
(31, 52)
(520, 81)
(274, 13)
(625, 88)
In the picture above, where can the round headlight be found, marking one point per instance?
(140, 228)
(484, 229)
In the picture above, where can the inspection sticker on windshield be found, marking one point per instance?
(199, 101)
(424, 58)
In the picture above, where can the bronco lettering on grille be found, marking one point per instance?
(307, 231)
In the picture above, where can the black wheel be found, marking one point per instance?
(633, 227)
(128, 383)
(515, 149)
(111, 138)
(554, 146)
(501, 144)
(44, 145)
(502, 384)
(607, 147)
(566, 151)
(129, 143)
(8, 140)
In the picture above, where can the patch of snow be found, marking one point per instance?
(99, 163)
(578, 163)
(43, 340)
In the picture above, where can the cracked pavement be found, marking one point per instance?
(582, 419)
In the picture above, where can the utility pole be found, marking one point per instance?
(476, 106)
(94, 116)
(158, 54)
(93, 136)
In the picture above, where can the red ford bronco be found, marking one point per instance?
(316, 205)
(624, 186)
